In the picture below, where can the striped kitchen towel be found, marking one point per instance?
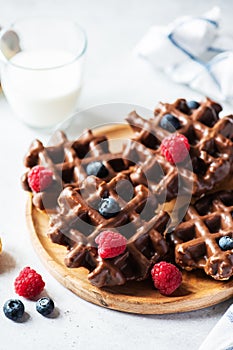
(193, 51)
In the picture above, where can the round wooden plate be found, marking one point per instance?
(197, 290)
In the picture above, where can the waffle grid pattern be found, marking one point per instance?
(79, 223)
(196, 239)
(210, 138)
(139, 178)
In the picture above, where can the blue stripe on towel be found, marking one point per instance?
(191, 56)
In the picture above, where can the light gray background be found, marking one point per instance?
(112, 75)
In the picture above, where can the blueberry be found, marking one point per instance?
(170, 123)
(108, 207)
(45, 306)
(193, 104)
(97, 168)
(226, 243)
(13, 309)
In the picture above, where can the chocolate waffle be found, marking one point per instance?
(139, 179)
(164, 179)
(79, 223)
(68, 160)
(211, 141)
(196, 238)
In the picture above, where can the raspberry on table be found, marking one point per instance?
(175, 148)
(29, 283)
(167, 277)
(39, 178)
(110, 244)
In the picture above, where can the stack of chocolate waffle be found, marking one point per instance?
(138, 180)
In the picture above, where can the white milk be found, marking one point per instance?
(42, 86)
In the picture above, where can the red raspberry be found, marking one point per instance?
(167, 277)
(175, 148)
(29, 283)
(110, 244)
(39, 178)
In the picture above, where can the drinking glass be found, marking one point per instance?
(42, 80)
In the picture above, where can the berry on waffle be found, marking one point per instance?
(210, 139)
(197, 238)
(68, 161)
(80, 222)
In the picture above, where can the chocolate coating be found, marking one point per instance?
(79, 223)
(139, 178)
(196, 238)
(210, 138)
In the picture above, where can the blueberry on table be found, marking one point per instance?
(108, 207)
(226, 243)
(45, 306)
(97, 168)
(170, 123)
(193, 104)
(13, 309)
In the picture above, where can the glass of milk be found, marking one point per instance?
(42, 81)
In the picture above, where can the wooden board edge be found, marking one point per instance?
(105, 299)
